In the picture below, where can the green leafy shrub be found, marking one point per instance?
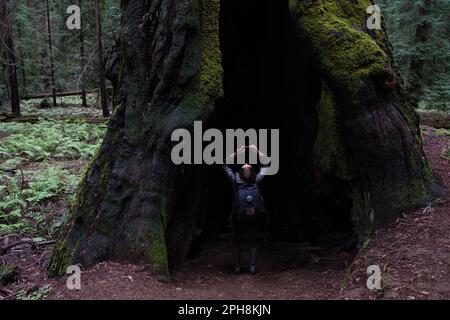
(47, 185)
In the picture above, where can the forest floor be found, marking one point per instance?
(413, 254)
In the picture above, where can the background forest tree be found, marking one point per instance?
(419, 31)
(32, 47)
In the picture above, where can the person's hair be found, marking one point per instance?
(252, 174)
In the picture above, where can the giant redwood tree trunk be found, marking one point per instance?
(309, 68)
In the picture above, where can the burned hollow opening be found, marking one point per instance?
(271, 82)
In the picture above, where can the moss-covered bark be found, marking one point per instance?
(170, 75)
(369, 135)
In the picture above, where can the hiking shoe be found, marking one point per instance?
(253, 269)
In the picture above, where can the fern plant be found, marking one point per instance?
(21, 208)
(50, 139)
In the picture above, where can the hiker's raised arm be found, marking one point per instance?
(262, 172)
(234, 155)
(260, 153)
(228, 170)
(238, 152)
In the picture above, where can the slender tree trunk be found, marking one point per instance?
(10, 57)
(22, 62)
(50, 47)
(416, 68)
(101, 66)
(177, 66)
(82, 58)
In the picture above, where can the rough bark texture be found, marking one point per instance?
(9, 55)
(134, 205)
(377, 145)
(170, 75)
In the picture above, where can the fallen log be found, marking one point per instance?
(6, 116)
(60, 94)
(30, 242)
(35, 119)
(434, 119)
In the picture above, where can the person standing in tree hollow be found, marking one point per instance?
(248, 211)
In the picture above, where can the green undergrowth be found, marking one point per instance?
(49, 139)
(443, 132)
(38, 294)
(28, 200)
(40, 167)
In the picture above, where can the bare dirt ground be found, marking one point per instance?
(413, 254)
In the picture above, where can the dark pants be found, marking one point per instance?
(242, 230)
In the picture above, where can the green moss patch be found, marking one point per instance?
(347, 54)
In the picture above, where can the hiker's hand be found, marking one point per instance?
(256, 150)
(240, 150)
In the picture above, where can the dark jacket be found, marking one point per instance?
(237, 182)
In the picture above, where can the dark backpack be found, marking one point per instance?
(250, 202)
